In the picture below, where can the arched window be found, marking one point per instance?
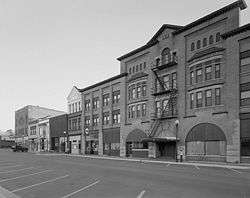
(198, 44)
(217, 39)
(165, 56)
(211, 39)
(192, 46)
(204, 43)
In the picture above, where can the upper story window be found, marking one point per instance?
(141, 66)
(211, 39)
(87, 120)
(106, 99)
(130, 70)
(87, 105)
(105, 118)
(138, 110)
(133, 69)
(192, 46)
(208, 97)
(191, 101)
(133, 92)
(198, 75)
(33, 130)
(116, 117)
(144, 65)
(144, 110)
(144, 89)
(166, 82)
(137, 68)
(208, 73)
(139, 92)
(165, 56)
(192, 78)
(217, 68)
(199, 99)
(198, 44)
(95, 120)
(204, 43)
(116, 96)
(158, 108)
(96, 103)
(217, 96)
(174, 80)
(217, 37)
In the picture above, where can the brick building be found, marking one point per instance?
(186, 92)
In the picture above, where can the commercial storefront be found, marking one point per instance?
(111, 142)
(92, 143)
(75, 144)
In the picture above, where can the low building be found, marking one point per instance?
(59, 133)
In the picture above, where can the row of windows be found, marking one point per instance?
(33, 130)
(139, 110)
(137, 68)
(205, 42)
(168, 81)
(208, 98)
(116, 118)
(105, 98)
(75, 107)
(137, 91)
(166, 107)
(74, 123)
(211, 69)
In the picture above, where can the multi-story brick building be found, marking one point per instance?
(184, 93)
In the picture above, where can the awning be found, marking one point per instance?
(160, 139)
(136, 135)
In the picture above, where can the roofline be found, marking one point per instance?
(148, 45)
(170, 26)
(236, 31)
(240, 3)
(103, 82)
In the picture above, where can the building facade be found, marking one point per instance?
(27, 114)
(185, 93)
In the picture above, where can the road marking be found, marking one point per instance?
(6, 166)
(141, 194)
(235, 170)
(51, 180)
(197, 167)
(167, 165)
(37, 173)
(84, 188)
(10, 171)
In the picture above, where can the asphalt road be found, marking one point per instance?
(38, 176)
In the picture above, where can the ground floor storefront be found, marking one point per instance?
(111, 141)
(245, 137)
(39, 144)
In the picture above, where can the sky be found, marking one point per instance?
(48, 46)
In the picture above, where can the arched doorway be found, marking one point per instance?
(206, 141)
(134, 144)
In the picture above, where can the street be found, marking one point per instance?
(59, 176)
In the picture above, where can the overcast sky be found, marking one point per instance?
(47, 46)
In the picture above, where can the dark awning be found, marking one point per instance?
(111, 135)
(136, 135)
(205, 132)
(165, 139)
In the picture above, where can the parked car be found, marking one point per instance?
(17, 148)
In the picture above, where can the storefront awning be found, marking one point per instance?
(136, 135)
(160, 139)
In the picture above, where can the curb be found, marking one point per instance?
(155, 162)
(4, 193)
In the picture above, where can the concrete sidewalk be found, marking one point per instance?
(203, 164)
(7, 194)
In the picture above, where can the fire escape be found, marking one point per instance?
(171, 93)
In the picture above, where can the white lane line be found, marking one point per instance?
(51, 180)
(84, 188)
(141, 194)
(197, 167)
(10, 166)
(235, 170)
(16, 170)
(37, 173)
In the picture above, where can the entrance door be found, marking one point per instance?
(167, 149)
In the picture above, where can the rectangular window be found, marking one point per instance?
(191, 101)
(217, 70)
(158, 108)
(95, 120)
(96, 103)
(116, 96)
(208, 73)
(166, 109)
(245, 98)
(106, 118)
(191, 78)
(144, 110)
(208, 97)
(138, 110)
(199, 99)
(133, 92)
(116, 117)
(139, 92)
(106, 99)
(87, 105)
(87, 121)
(198, 75)
(144, 89)
(80, 106)
(79, 123)
(157, 86)
(166, 82)
(217, 96)
(133, 112)
(174, 80)
(129, 112)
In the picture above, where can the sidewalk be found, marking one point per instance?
(156, 161)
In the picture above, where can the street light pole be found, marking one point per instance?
(64, 141)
